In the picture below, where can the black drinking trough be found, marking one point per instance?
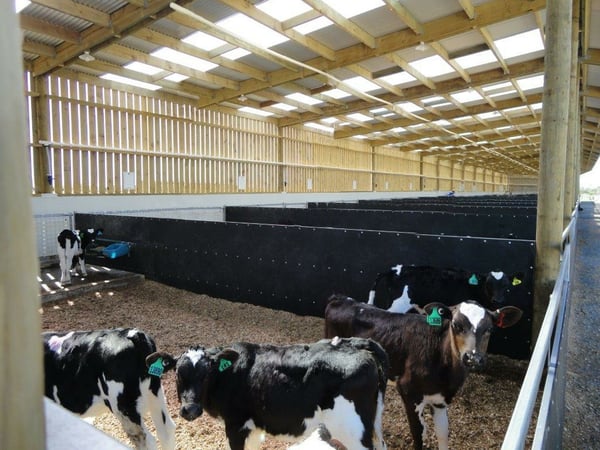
(296, 268)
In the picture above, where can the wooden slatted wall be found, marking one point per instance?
(103, 141)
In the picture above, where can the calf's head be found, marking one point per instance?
(195, 370)
(471, 326)
(498, 286)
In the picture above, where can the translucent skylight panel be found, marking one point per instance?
(498, 94)
(20, 5)
(354, 7)
(284, 106)
(143, 68)
(174, 56)
(441, 123)
(409, 107)
(476, 59)
(283, 10)
(535, 82)
(336, 93)
(536, 106)
(361, 84)
(313, 25)
(398, 78)
(130, 81)
(497, 86)
(318, 126)
(432, 66)
(378, 110)
(435, 99)
(303, 98)
(203, 41)
(488, 115)
(520, 44)
(467, 96)
(176, 77)
(358, 117)
(258, 112)
(398, 130)
(253, 31)
(330, 120)
(236, 53)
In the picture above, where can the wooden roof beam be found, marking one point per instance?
(486, 14)
(38, 48)
(405, 15)
(487, 37)
(468, 8)
(136, 55)
(192, 20)
(34, 25)
(345, 24)
(124, 21)
(253, 12)
(157, 38)
(472, 110)
(78, 10)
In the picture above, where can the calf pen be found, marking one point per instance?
(296, 268)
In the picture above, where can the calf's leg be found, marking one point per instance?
(440, 421)
(165, 427)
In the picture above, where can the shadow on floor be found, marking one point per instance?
(98, 278)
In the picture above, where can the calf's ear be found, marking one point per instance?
(226, 358)
(507, 316)
(168, 362)
(442, 310)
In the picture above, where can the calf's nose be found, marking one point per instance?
(474, 360)
(190, 411)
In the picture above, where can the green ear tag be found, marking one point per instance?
(156, 368)
(473, 281)
(434, 319)
(516, 281)
(224, 364)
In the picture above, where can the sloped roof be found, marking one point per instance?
(460, 79)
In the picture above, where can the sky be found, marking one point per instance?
(591, 179)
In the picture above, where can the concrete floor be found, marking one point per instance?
(582, 398)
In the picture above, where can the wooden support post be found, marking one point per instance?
(552, 155)
(21, 382)
(572, 158)
(281, 170)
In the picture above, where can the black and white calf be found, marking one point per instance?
(409, 288)
(320, 439)
(286, 391)
(430, 356)
(92, 372)
(71, 250)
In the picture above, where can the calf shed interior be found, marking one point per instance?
(296, 268)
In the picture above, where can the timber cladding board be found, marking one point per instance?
(296, 268)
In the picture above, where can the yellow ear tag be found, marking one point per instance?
(516, 281)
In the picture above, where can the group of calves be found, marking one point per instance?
(304, 392)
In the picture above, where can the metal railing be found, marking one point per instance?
(547, 356)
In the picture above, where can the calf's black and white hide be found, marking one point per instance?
(430, 355)
(320, 439)
(71, 247)
(92, 372)
(405, 288)
(286, 391)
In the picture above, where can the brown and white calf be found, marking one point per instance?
(71, 247)
(430, 356)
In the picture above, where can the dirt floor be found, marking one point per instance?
(177, 319)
